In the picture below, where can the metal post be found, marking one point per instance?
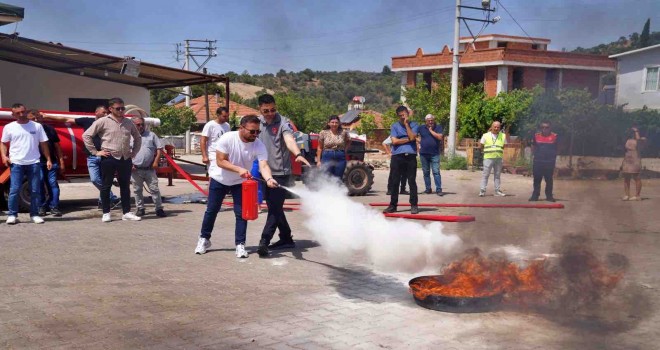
(206, 101)
(186, 89)
(451, 147)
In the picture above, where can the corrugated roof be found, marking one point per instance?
(95, 65)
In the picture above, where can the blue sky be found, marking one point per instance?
(264, 36)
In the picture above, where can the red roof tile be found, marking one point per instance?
(198, 106)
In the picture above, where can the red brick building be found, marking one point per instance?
(504, 63)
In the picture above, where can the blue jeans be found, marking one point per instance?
(33, 174)
(94, 169)
(335, 161)
(432, 161)
(217, 193)
(52, 187)
(256, 174)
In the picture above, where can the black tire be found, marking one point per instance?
(358, 178)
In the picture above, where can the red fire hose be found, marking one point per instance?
(431, 217)
(478, 205)
(184, 174)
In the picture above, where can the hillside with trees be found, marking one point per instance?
(632, 42)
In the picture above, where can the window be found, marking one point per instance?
(535, 46)
(651, 79)
(501, 44)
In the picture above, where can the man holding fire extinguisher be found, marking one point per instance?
(235, 152)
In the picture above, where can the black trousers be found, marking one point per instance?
(403, 167)
(122, 167)
(276, 219)
(389, 181)
(543, 171)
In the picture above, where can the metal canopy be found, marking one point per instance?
(10, 14)
(95, 65)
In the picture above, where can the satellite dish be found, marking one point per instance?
(362, 99)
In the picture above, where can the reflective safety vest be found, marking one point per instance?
(494, 148)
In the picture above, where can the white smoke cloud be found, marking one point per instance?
(345, 228)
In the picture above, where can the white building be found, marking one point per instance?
(50, 76)
(638, 78)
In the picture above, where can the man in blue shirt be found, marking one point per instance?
(430, 146)
(404, 159)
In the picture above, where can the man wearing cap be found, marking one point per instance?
(430, 146)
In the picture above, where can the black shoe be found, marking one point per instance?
(283, 244)
(56, 212)
(440, 193)
(551, 199)
(263, 248)
(389, 193)
(389, 209)
(161, 213)
(139, 212)
(428, 191)
(115, 203)
(414, 209)
(533, 199)
(42, 211)
(404, 192)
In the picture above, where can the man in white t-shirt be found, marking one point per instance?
(235, 152)
(23, 138)
(212, 132)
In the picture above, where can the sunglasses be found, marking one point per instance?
(269, 110)
(254, 132)
(119, 108)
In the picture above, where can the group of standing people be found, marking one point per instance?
(115, 146)
(407, 139)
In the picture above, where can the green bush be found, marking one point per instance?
(454, 163)
(173, 120)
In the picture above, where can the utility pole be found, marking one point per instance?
(453, 105)
(208, 51)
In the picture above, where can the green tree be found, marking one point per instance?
(308, 113)
(159, 97)
(367, 124)
(173, 120)
(386, 70)
(645, 36)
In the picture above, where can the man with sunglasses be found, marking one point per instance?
(212, 132)
(144, 169)
(544, 149)
(93, 162)
(116, 155)
(277, 136)
(235, 152)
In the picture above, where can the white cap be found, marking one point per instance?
(429, 117)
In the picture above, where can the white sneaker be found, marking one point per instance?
(482, 193)
(37, 220)
(11, 220)
(106, 217)
(500, 194)
(240, 251)
(634, 198)
(202, 245)
(130, 217)
(625, 198)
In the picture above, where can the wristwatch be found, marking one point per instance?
(298, 155)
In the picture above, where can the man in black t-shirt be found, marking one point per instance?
(49, 177)
(93, 162)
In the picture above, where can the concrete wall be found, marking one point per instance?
(629, 80)
(46, 89)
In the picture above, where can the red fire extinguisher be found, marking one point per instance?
(250, 204)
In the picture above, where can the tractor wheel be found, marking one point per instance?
(358, 178)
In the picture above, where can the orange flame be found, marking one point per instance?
(479, 276)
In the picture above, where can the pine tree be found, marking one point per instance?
(644, 37)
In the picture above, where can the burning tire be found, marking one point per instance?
(358, 178)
